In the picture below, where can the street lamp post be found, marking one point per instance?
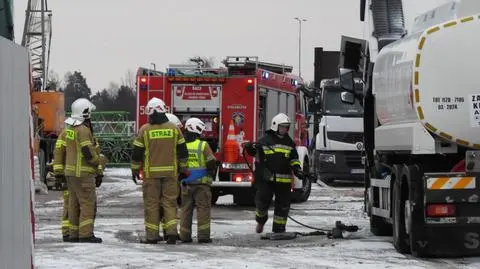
(300, 20)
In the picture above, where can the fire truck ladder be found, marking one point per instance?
(37, 37)
(251, 62)
(193, 70)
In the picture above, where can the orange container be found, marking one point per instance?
(50, 109)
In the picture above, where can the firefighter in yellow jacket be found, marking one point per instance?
(160, 151)
(59, 175)
(196, 191)
(76, 156)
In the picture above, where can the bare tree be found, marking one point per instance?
(129, 79)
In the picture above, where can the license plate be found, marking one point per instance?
(357, 171)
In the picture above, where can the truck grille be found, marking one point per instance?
(346, 137)
(353, 159)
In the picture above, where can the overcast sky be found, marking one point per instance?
(105, 38)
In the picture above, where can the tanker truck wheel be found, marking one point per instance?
(414, 210)
(400, 199)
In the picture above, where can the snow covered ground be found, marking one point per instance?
(236, 245)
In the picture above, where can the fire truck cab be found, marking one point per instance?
(237, 103)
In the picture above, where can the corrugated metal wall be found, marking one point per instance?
(15, 162)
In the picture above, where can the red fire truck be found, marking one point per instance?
(236, 103)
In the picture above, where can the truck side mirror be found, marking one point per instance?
(346, 79)
(347, 97)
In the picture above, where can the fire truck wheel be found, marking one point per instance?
(245, 197)
(400, 196)
(215, 196)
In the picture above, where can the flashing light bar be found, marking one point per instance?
(196, 79)
(265, 75)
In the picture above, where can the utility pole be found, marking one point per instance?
(300, 20)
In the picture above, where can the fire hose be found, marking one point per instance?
(336, 232)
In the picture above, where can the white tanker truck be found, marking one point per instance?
(421, 123)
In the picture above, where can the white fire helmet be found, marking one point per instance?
(81, 110)
(195, 125)
(280, 119)
(174, 119)
(155, 104)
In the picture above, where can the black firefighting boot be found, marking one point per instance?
(177, 236)
(171, 239)
(91, 239)
(259, 228)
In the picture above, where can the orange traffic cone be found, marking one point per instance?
(230, 149)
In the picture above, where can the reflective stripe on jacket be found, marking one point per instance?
(68, 157)
(279, 156)
(159, 142)
(199, 153)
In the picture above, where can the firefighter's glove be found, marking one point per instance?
(299, 174)
(135, 175)
(250, 148)
(98, 180)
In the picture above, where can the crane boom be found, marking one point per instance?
(37, 37)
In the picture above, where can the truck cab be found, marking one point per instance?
(338, 144)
